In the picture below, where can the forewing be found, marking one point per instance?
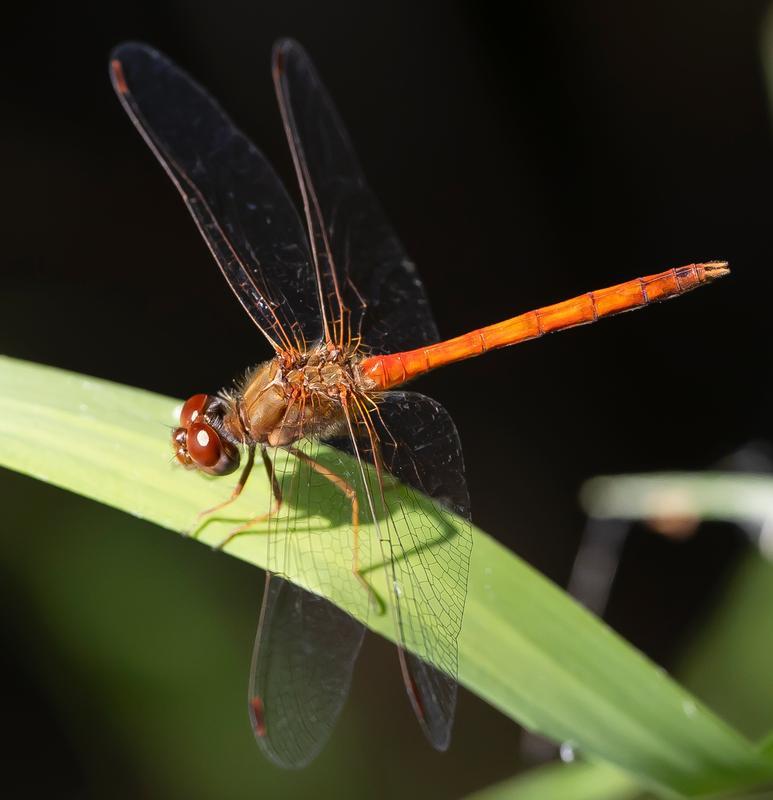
(362, 265)
(238, 202)
(301, 671)
(425, 556)
(306, 647)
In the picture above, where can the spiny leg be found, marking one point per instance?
(234, 494)
(350, 493)
(276, 491)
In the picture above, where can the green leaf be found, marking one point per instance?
(766, 746)
(706, 495)
(580, 780)
(730, 659)
(526, 647)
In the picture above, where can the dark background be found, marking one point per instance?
(523, 159)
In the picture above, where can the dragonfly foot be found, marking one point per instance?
(190, 533)
(247, 527)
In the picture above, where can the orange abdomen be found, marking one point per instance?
(391, 370)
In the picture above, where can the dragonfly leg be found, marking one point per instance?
(276, 491)
(350, 493)
(234, 494)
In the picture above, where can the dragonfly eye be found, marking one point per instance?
(208, 451)
(193, 408)
(203, 444)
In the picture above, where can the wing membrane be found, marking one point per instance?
(425, 557)
(369, 285)
(362, 285)
(238, 202)
(301, 671)
(306, 647)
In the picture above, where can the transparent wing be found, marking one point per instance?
(370, 286)
(301, 672)
(238, 202)
(306, 647)
(425, 556)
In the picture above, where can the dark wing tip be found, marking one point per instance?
(257, 717)
(432, 693)
(117, 76)
(285, 49)
(124, 55)
(128, 50)
(284, 45)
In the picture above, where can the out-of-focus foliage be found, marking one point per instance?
(575, 781)
(730, 663)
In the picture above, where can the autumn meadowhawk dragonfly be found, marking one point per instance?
(347, 320)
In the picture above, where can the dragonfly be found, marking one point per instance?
(348, 323)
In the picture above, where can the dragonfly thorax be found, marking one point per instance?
(280, 402)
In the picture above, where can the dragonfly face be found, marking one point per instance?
(199, 442)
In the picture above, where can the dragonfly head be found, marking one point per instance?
(198, 444)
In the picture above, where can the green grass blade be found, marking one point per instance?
(581, 780)
(526, 647)
(766, 746)
(723, 496)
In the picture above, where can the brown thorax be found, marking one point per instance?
(276, 404)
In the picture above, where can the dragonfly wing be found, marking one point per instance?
(301, 671)
(363, 268)
(238, 202)
(425, 553)
(306, 647)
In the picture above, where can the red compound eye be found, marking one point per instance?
(203, 444)
(193, 407)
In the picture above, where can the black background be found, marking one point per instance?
(523, 159)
